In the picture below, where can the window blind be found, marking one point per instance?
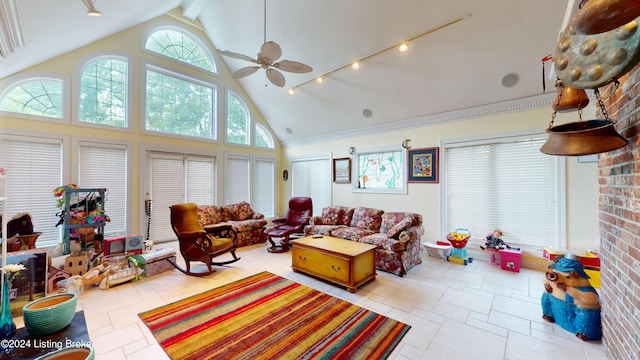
(507, 184)
(167, 172)
(264, 185)
(34, 169)
(105, 166)
(312, 177)
(200, 180)
(237, 177)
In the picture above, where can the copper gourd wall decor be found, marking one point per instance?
(598, 16)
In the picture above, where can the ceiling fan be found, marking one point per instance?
(269, 53)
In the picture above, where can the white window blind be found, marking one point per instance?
(236, 179)
(167, 172)
(200, 178)
(312, 177)
(507, 184)
(105, 166)
(34, 169)
(264, 186)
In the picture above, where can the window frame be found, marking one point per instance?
(560, 183)
(75, 99)
(151, 66)
(249, 120)
(150, 30)
(268, 132)
(358, 158)
(9, 83)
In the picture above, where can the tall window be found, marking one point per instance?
(263, 137)
(178, 45)
(179, 105)
(104, 92)
(37, 97)
(34, 170)
(311, 176)
(504, 183)
(237, 120)
(105, 166)
(264, 186)
(237, 178)
(173, 179)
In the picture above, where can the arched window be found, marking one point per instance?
(263, 137)
(104, 92)
(35, 96)
(238, 120)
(178, 45)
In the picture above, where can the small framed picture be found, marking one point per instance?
(423, 165)
(342, 170)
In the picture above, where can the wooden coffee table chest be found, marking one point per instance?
(343, 262)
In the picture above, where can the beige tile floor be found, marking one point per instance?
(455, 311)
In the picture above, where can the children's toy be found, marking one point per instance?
(458, 240)
(570, 300)
(494, 243)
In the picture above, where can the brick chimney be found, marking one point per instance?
(619, 177)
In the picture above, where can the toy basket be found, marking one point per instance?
(459, 238)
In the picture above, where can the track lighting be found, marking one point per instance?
(91, 10)
(403, 46)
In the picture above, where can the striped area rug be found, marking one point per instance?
(265, 316)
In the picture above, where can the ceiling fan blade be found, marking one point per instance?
(271, 50)
(238, 56)
(275, 77)
(293, 66)
(245, 71)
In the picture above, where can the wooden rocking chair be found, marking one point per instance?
(198, 243)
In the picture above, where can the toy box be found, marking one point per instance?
(510, 260)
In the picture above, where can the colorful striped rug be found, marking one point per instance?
(265, 316)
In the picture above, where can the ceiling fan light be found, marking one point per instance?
(403, 47)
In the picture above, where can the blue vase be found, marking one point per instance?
(7, 326)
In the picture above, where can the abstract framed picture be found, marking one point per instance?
(342, 170)
(423, 165)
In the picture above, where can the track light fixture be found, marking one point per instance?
(402, 46)
(91, 10)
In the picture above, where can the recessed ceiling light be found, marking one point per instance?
(367, 113)
(288, 130)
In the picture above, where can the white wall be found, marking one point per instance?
(582, 178)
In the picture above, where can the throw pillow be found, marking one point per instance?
(396, 229)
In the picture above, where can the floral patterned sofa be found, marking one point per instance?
(396, 234)
(245, 221)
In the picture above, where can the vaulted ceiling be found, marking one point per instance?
(491, 53)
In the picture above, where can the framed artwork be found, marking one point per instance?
(31, 283)
(342, 170)
(423, 165)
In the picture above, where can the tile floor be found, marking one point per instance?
(476, 311)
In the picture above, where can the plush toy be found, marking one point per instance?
(570, 300)
(494, 241)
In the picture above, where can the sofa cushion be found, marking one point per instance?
(350, 233)
(248, 225)
(210, 214)
(396, 229)
(337, 215)
(367, 218)
(240, 211)
(320, 229)
(384, 242)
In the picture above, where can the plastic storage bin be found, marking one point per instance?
(510, 260)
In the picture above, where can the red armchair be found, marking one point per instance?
(297, 216)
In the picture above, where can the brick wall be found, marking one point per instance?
(619, 177)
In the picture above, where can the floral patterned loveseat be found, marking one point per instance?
(396, 234)
(245, 221)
